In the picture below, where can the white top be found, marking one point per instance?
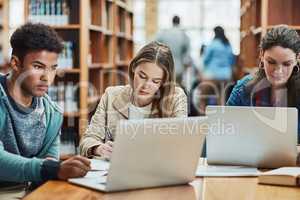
(136, 112)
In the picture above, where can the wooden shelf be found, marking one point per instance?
(124, 36)
(129, 38)
(122, 63)
(100, 66)
(107, 32)
(71, 114)
(69, 71)
(96, 28)
(93, 100)
(67, 27)
(121, 35)
(245, 7)
(258, 16)
(121, 4)
(94, 66)
(4, 33)
(100, 29)
(257, 30)
(124, 6)
(98, 37)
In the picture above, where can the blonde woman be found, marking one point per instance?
(151, 94)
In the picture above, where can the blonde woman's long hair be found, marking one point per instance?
(161, 55)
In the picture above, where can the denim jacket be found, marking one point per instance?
(240, 97)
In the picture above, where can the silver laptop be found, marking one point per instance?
(264, 137)
(151, 153)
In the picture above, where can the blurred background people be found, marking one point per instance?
(218, 58)
(179, 42)
(218, 61)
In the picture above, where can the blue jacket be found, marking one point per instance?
(240, 97)
(218, 60)
(15, 168)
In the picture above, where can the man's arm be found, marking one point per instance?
(16, 168)
(53, 151)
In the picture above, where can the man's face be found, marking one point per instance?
(37, 72)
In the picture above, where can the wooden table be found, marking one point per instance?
(201, 188)
(216, 188)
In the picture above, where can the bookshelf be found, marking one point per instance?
(98, 46)
(257, 16)
(4, 36)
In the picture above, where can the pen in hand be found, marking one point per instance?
(97, 170)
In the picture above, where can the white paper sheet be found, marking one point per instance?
(95, 177)
(226, 171)
(100, 165)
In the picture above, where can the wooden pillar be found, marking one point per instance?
(84, 76)
(264, 16)
(151, 12)
(5, 30)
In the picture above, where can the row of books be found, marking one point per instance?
(66, 96)
(69, 141)
(121, 50)
(51, 12)
(122, 21)
(65, 59)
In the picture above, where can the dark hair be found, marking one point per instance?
(161, 55)
(176, 20)
(220, 34)
(285, 37)
(34, 37)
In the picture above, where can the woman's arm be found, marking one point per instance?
(16, 168)
(238, 96)
(95, 134)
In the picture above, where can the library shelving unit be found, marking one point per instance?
(257, 16)
(4, 36)
(97, 49)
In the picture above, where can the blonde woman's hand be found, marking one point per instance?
(104, 150)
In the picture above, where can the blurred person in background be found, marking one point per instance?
(218, 60)
(179, 42)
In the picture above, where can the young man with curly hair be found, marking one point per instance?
(29, 121)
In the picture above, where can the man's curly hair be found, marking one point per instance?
(34, 37)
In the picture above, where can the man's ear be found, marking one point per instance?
(15, 63)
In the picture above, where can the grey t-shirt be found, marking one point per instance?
(25, 128)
